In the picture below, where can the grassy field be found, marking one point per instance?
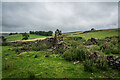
(35, 65)
(19, 37)
(38, 61)
(98, 35)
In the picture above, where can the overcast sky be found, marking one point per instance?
(66, 16)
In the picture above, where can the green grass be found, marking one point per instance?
(19, 37)
(25, 65)
(35, 64)
(99, 34)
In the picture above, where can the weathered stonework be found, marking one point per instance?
(58, 42)
(113, 61)
(58, 37)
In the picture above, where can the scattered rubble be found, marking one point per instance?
(76, 62)
(93, 40)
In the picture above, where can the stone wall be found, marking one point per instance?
(112, 61)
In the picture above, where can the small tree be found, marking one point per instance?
(10, 34)
(3, 38)
(25, 36)
(50, 33)
(92, 29)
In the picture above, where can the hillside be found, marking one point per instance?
(99, 34)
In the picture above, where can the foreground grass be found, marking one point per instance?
(99, 34)
(35, 64)
(19, 37)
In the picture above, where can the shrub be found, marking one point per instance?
(94, 48)
(100, 42)
(43, 33)
(61, 50)
(102, 64)
(25, 36)
(115, 46)
(31, 75)
(74, 43)
(111, 47)
(68, 54)
(7, 64)
(115, 50)
(73, 54)
(89, 66)
(3, 38)
(3, 41)
(17, 50)
(4, 44)
(114, 41)
(107, 51)
(40, 47)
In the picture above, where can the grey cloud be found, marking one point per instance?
(68, 16)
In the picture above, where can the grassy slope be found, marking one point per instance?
(19, 37)
(99, 34)
(24, 65)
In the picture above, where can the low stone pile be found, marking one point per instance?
(112, 61)
(91, 41)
